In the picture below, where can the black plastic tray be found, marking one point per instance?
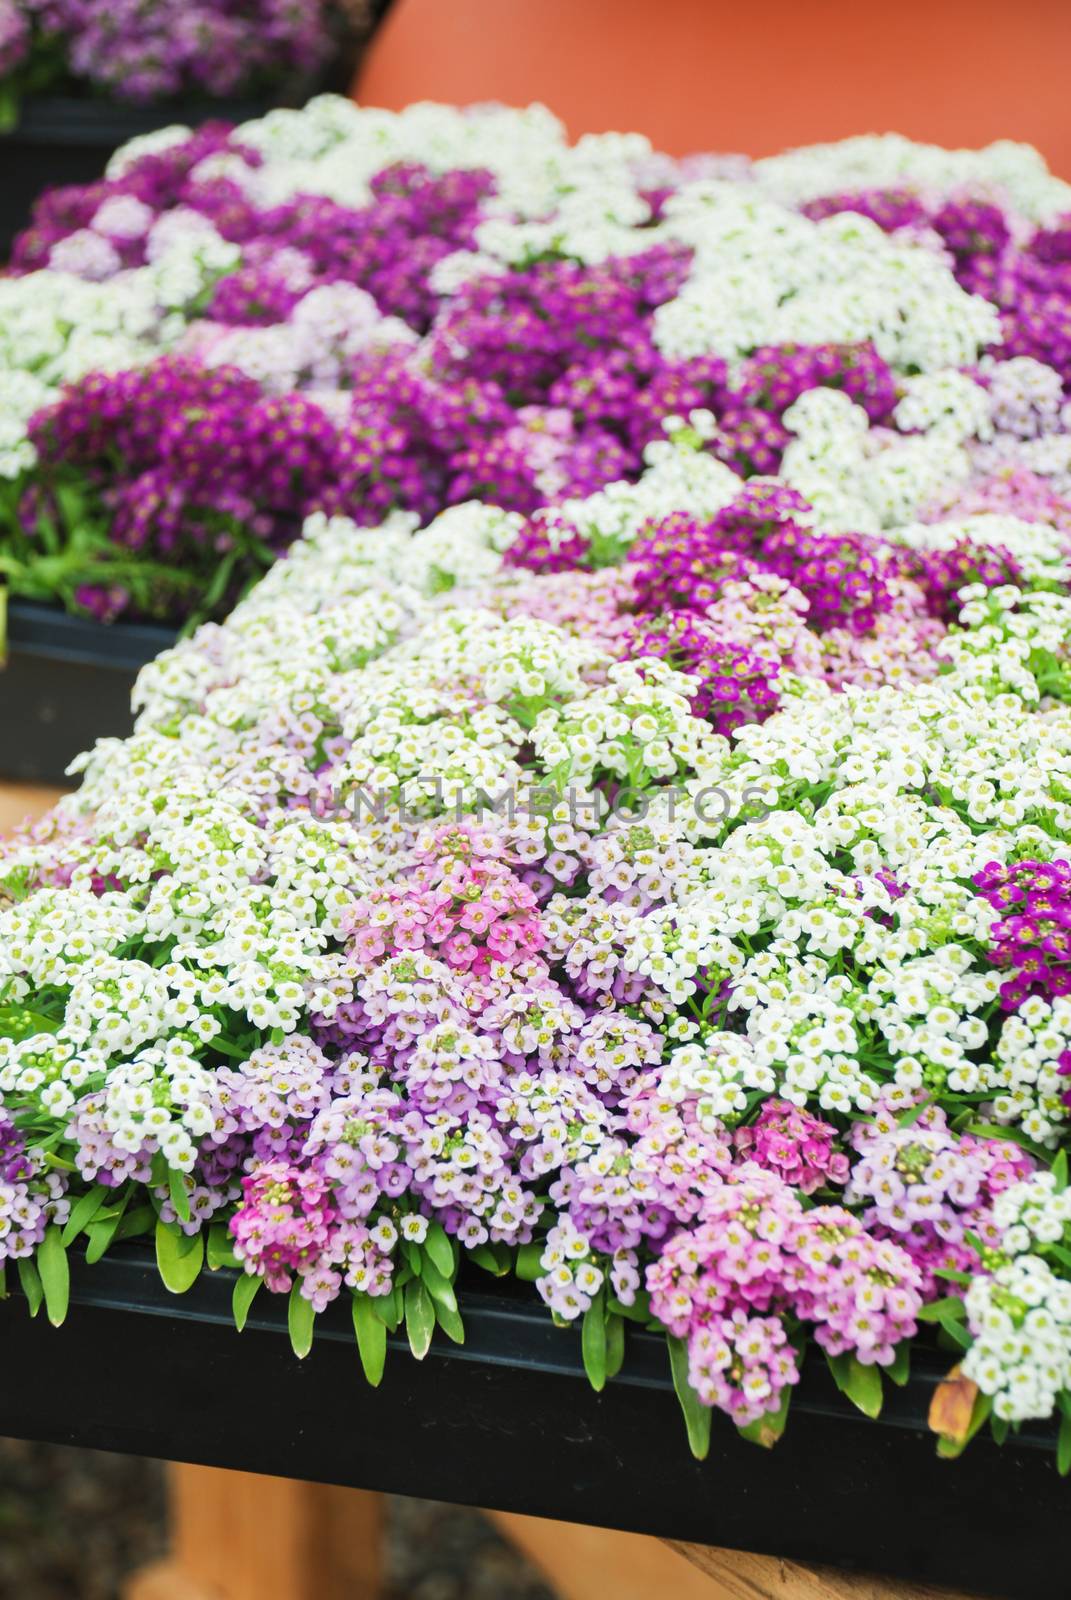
(509, 1422)
(67, 682)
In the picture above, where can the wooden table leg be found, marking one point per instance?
(240, 1536)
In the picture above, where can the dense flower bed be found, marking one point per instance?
(653, 883)
(431, 306)
(146, 53)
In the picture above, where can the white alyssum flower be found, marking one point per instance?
(1008, 170)
(764, 275)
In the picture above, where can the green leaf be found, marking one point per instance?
(912, 1115)
(371, 1338)
(615, 1343)
(450, 1322)
(639, 1311)
(419, 1318)
(767, 1430)
(950, 1309)
(994, 1130)
(55, 1273)
(1063, 1447)
(30, 1279)
(300, 1317)
(951, 1276)
(133, 1224)
(593, 1342)
(1059, 1171)
(391, 1309)
(220, 1252)
(100, 1236)
(179, 1256)
(900, 1370)
(861, 1384)
(180, 1195)
(529, 1267)
(216, 589)
(494, 1258)
(697, 1416)
(83, 1212)
(245, 1292)
(953, 1336)
(440, 1288)
(413, 1257)
(440, 1251)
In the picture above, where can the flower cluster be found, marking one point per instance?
(485, 311)
(756, 1250)
(147, 54)
(624, 837)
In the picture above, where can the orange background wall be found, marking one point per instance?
(750, 75)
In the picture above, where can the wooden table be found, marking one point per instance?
(20, 802)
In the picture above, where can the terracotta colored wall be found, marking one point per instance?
(752, 75)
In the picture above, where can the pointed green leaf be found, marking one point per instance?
(83, 1211)
(1063, 1447)
(953, 1336)
(413, 1256)
(593, 1342)
(133, 1224)
(30, 1279)
(300, 1318)
(767, 1430)
(450, 1322)
(615, 1343)
(912, 1115)
(639, 1311)
(391, 1309)
(99, 1236)
(220, 1249)
(950, 1309)
(371, 1338)
(438, 1247)
(102, 1230)
(440, 1288)
(245, 1292)
(861, 1384)
(529, 1265)
(179, 1193)
(900, 1369)
(1059, 1170)
(697, 1416)
(492, 1258)
(179, 1256)
(419, 1318)
(55, 1273)
(951, 1276)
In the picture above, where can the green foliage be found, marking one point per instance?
(300, 1318)
(179, 1256)
(697, 1416)
(371, 1335)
